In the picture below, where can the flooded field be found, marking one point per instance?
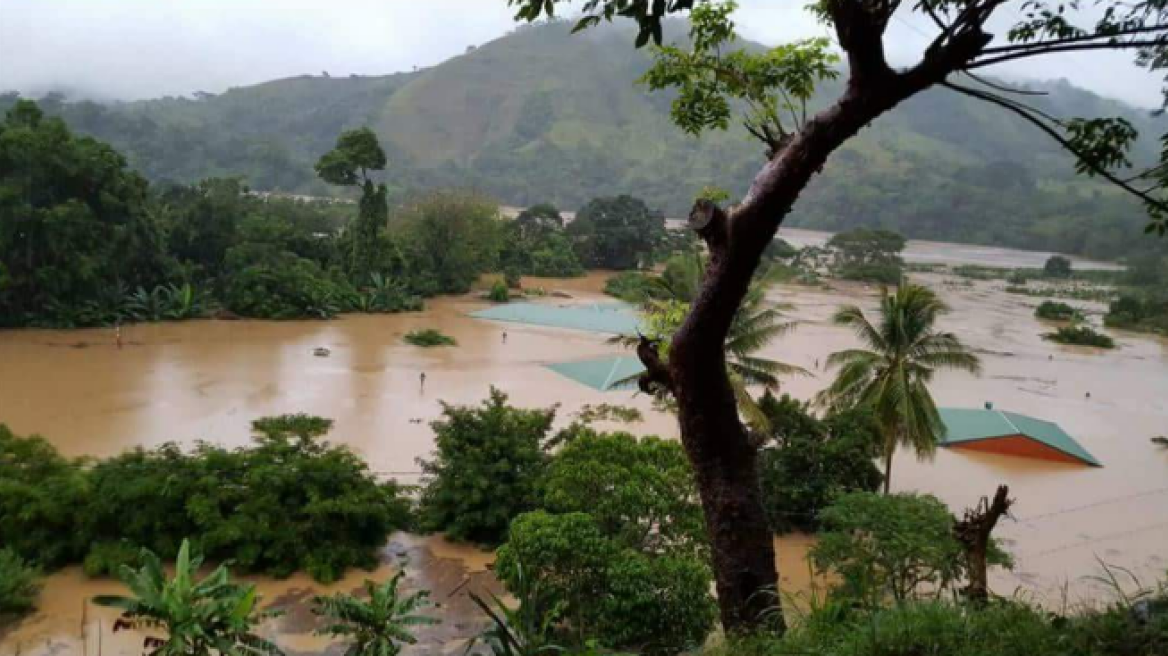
(207, 380)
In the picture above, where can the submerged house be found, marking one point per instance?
(1009, 433)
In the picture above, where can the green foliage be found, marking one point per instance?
(1080, 336)
(616, 232)
(448, 239)
(525, 630)
(378, 626)
(631, 286)
(288, 502)
(1055, 311)
(869, 255)
(891, 374)
(641, 493)
(536, 244)
(712, 79)
(283, 287)
(589, 413)
(485, 470)
(19, 585)
(499, 292)
(888, 546)
(42, 499)
(657, 604)
(429, 337)
(808, 462)
(73, 222)
(211, 615)
(1057, 266)
(356, 154)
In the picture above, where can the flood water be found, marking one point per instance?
(207, 380)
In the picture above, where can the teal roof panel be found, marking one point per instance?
(971, 424)
(604, 374)
(611, 318)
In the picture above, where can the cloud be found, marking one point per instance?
(132, 49)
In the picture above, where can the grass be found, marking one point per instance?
(428, 338)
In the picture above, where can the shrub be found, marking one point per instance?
(1056, 311)
(19, 585)
(809, 462)
(640, 492)
(42, 499)
(889, 545)
(284, 287)
(288, 502)
(499, 293)
(1080, 336)
(1057, 266)
(631, 286)
(486, 468)
(378, 626)
(429, 337)
(1133, 313)
(657, 606)
(625, 598)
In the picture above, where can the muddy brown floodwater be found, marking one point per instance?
(207, 380)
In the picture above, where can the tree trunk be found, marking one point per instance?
(717, 444)
(889, 450)
(973, 532)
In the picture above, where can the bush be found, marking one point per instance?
(640, 492)
(656, 606)
(42, 499)
(288, 502)
(499, 293)
(1080, 336)
(887, 546)
(486, 469)
(625, 598)
(1057, 266)
(19, 585)
(429, 337)
(631, 286)
(1134, 313)
(284, 287)
(807, 462)
(1056, 311)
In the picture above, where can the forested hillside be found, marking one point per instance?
(536, 117)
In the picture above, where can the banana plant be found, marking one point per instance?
(189, 617)
(378, 626)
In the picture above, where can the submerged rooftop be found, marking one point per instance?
(996, 431)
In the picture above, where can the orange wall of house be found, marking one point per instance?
(1017, 445)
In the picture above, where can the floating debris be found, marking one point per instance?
(321, 352)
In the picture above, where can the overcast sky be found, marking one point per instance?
(145, 48)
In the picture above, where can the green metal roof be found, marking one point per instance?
(970, 425)
(612, 318)
(602, 374)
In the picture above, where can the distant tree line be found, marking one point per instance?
(86, 241)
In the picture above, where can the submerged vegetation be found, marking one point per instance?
(288, 502)
(429, 337)
(1080, 335)
(1056, 311)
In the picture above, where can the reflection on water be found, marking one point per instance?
(206, 380)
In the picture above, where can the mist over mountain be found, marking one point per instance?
(536, 116)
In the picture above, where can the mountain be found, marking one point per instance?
(541, 116)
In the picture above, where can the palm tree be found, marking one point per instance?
(379, 626)
(755, 325)
(891, 376)
(198, 618)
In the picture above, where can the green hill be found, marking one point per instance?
(538, 116)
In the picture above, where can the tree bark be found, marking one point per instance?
(889, 450)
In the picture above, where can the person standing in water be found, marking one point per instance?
(118, 335)
(422, 382)
(504, 336)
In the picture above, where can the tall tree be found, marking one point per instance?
(891, 376)
(356, 155)
(713, 81)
